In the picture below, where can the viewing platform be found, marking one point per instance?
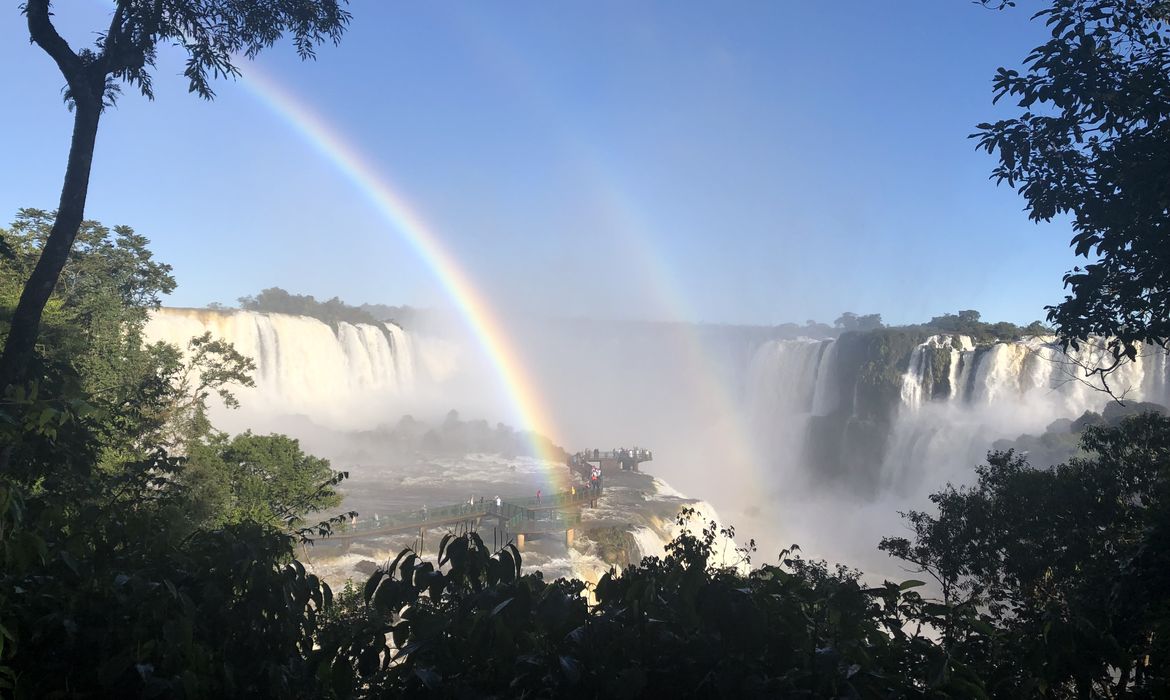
(516, 519)
(609, 461)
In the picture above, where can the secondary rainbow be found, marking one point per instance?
(395, 209)
(628, 218)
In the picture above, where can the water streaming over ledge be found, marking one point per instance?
(828, 402)
(852, 414)
(343, 375)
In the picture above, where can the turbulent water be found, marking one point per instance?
(344, 376)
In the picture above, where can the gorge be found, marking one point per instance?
(792, 439)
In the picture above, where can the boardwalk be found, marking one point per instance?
(586, 462)
(557, 512)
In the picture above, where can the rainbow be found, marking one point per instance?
(627, 217)
(395, 210)
(737, 446)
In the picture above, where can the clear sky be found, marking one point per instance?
(748, 162)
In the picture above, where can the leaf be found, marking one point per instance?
(372, 585)
(516, 558)
(457, 554)
(429, 678)
(394, 564)
(496, 610)
(508, 568)
(341, 677)
(571, 668)
(388, 597)
(911, 583)
(368, 661)
(406, 569)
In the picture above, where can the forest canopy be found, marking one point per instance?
(331, 311)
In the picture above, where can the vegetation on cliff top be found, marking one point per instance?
(1089, 145)
(331, 311)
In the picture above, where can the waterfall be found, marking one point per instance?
(792, 379)
(915, 380)
(826, 392)
(648, 542)
(897, 432)
(348, 375)
(786, 376)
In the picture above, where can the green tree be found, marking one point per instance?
(264, 479)
(112, 582)
(106, 597)
(684, 625)
(1037, 328)
(331, 311)
(93, 373)
(210, 366)
(214, 33)
(139, 397)
(850, 321)
(1071, 565)
(103, 297)
(1093, 142)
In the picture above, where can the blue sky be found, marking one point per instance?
(755, 162)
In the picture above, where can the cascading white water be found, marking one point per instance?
(1015, 388)
(648, 542)
(347, 377)
(792, 379)
(791, 376)
(827, 389)
(933, 432)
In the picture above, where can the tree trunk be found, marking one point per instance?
(26, 320)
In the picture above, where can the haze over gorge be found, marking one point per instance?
(792, 439)
(578, 441)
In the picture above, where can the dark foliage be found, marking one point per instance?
(331, 311)
(471, 625)
(1069, 564)
(1093, 142)
(105, 591)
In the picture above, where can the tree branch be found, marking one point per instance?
(44, 34)
(118, 56)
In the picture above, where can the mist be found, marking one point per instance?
(774, 426)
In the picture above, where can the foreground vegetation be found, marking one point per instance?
(145, 554)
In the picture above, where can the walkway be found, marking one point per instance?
(524, 516)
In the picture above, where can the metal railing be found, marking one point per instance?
(533, 522)
(638, 454)
(543, 510)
